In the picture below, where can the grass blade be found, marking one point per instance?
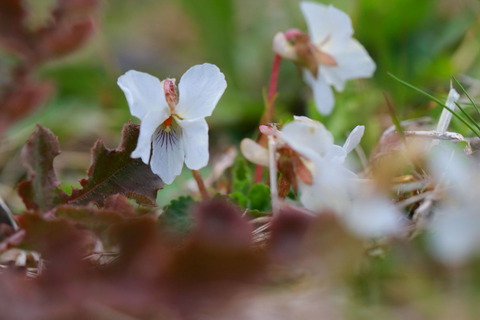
(393, 116)
(468, 116)
(456, 115)
(466, 94)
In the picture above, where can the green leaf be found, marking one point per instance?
(176, 215)
(239, 198)
(259, 197)
(255, 197)
(242, 177)
(115, 172)
(41, 190)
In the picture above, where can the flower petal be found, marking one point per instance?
(168, 153)
(354, 138)
(456, 172)
(454, 236)
(336, 154)
(322, 93)
(373, 216)
(254, 152)
(195, 143)
(307, 137)
(143, 92)
(327, 24)
(282, 47)
(331, 188)
(150, 123)
(353, 62)
(200, 88)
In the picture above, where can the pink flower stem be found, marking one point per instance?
(270, 101)
(272, 88)
(258, 174)
(269, 108)
(201, 185)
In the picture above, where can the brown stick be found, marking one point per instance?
(201, 185)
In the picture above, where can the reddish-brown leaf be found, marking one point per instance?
(63, 41)
(13, 34)
(117, 210)
(303, 173)
(288, 230)
(12, 240)
(115, 172)
(218, 255)
(40, 191)
(70, 26)
(21, 97)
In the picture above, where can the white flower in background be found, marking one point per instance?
(454, 233)
(308, 138)
(328, 54)
(334, 187)
(173, 129)
(311, 139)
(373, 214)
(332, 181)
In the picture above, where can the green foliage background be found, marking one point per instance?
(423, 42)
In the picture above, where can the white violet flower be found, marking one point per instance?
(364, 211)
(328, 54)
(173, 129)
(332, 181)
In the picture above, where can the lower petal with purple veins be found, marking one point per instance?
(167, 152)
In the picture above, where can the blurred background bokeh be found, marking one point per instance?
(423, 42)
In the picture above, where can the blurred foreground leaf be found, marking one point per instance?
(176, 215)
(117, 209)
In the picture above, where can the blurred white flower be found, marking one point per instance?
(454, 234)
(332, 186)
(335, 187)
(329, 55)
(324, 159)
(372, 214)
(313, 144)
(308, 137)
(173, 129)
(312, 140)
